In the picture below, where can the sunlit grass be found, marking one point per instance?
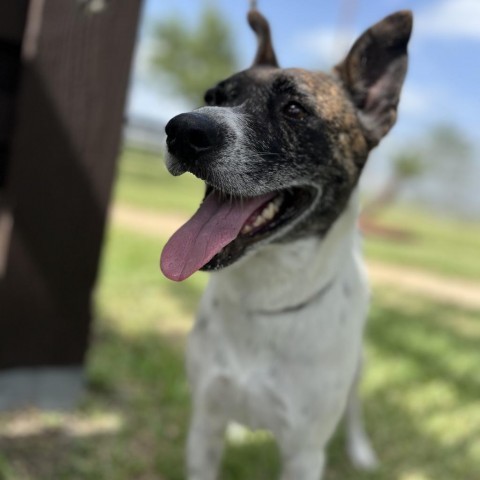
(421, 389)
(443, 245)
(143, 181)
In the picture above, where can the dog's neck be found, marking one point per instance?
(283, 275)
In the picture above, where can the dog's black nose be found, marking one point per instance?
(191, 135)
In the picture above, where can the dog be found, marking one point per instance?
(277, 343)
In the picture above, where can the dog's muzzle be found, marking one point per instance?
(191, 136)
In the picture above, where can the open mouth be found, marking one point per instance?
(225, 226)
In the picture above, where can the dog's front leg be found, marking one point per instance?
(205, 444)
(304, 464)
(303, 454)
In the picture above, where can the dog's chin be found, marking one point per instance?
(269, 223)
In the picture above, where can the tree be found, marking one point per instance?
(443, 153)
(194, 59)
(448, 153)
(407, 165)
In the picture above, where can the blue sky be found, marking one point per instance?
(443, 82)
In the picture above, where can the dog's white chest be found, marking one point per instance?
(276, 343)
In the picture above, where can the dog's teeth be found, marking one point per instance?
(269, 212)
(265, 216)
(259, 221)
(277, 201)
(272, 208)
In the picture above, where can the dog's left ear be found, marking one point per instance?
(374, 70)
(265, 54)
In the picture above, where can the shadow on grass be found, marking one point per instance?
(255, 460)
(140, 378)
(434, 350)
(435, 359)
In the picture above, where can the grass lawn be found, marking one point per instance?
(143, 181)
(441, 245)
(421, 387)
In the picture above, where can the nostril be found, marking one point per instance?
(171, 128)
(171, 142)
(198, 139)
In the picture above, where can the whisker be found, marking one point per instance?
(263, 154)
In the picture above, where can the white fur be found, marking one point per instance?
(277, 346)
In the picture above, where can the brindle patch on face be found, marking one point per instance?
(322, 150)
(340, 172)
(334, 107)
(327, 148)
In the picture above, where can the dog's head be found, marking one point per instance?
(280, 150)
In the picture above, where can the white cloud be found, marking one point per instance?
(450, 18)
(326, 43)
(416, 100)
(443, 18)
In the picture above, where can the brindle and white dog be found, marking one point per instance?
(278, 338)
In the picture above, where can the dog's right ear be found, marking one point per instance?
(265, 54)
(374, 70)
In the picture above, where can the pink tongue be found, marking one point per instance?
(215, 224)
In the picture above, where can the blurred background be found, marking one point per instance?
(111, 390)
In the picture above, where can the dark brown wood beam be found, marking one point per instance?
(63, 144)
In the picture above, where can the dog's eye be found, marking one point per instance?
(294, 110)
(233, 94)
(210, 97)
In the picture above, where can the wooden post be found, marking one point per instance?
(64, 127)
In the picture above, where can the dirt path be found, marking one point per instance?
(460, 292)
(445, 289)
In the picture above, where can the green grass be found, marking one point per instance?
(143, 181)
(443, 246)
(421, 389)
